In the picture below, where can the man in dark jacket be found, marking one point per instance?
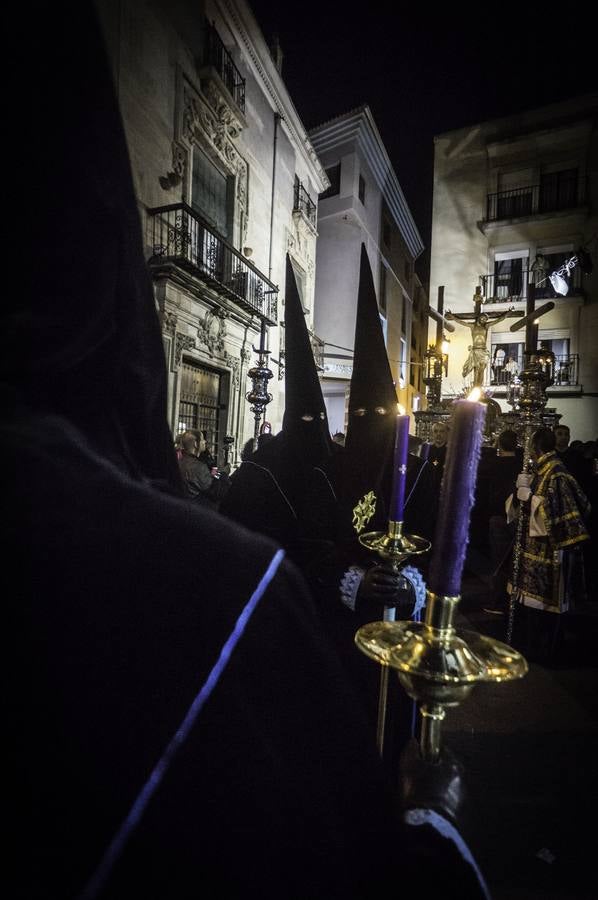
(196, 475)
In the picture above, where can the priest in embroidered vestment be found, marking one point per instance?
(551, 575)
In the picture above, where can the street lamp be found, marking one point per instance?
(435, 361)
(260, 375)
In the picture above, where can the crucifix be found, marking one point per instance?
(479, 324)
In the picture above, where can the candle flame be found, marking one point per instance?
(401, 409)
(474, 395)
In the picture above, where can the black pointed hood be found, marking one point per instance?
(85, 343)
(305, 423)
(372, 409)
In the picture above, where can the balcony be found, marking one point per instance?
(179, 237)
(566, 373)
(512, 287)
(550, 196)
(317, 346)
(303, 204)
(217, 56)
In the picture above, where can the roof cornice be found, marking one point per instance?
(358, 125)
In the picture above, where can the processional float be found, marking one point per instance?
(437, 664)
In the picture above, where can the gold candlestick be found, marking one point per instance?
(436, 665)
(394, 547)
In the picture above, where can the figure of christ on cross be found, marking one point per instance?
(479, 323)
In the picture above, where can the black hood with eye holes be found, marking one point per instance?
(309, 440)
(84, 343)
(372, 411)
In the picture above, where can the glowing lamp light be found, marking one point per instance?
(445, 346)
(401, 409)
(474, 395)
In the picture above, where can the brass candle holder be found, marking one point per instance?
(394, 547)
(437, 665)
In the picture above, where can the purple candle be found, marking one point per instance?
(399, 471)
(456, 498)
(424, 451)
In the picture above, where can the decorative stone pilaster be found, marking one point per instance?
(182, 342)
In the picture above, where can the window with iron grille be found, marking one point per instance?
(217, 55)
(302, 201)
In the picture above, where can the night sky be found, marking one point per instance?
(422, 74)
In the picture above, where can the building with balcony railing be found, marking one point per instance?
(515, 200)
(218, 56)
(510, 285)
(180, 238)
(365, 203)
(217, 151)
(557, 192)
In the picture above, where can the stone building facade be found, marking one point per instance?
(227, 182)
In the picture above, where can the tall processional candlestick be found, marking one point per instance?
(435, 664)
(394, 547)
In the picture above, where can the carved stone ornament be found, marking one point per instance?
(169, 322)
(179, 164)
(211, 130)
(246, 355)
(225, 114)
(235, 366)
(211, 331)
(182, 342)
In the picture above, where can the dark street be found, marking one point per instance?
(530, 751)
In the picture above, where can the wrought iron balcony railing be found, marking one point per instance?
(217, 55)
(303, 203)
(566, 372)
(569, 193)
(512, 286)
(317, 346)
(178, 235)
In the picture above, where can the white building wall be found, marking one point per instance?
(167, 110)
(471, 163)
(344, 223)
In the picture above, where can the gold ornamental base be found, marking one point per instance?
(393, 545)
(437, 665)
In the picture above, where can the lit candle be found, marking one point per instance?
(424, 451)
(456, 497)
(399, 472)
